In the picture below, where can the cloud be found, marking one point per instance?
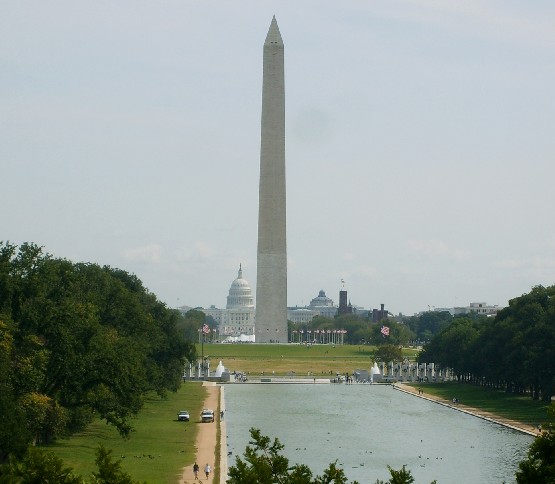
(437, 248)
(491, 19)
(510, 264)
(200, 251)
(367, 271)
(151, 253)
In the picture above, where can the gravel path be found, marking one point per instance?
(205, 445)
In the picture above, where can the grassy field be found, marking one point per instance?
(507, 405)
(158, 449)
(284, 359)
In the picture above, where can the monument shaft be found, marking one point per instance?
(271, 281)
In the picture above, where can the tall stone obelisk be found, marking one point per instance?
(271, 280)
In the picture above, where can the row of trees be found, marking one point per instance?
(361, 330)
(515, 350)
(78, 340)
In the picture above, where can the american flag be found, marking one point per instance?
(205, 329)
(384, 330)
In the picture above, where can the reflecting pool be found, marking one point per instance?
(368, 427)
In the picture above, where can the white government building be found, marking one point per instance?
(237, 321)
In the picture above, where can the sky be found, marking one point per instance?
(420, 151)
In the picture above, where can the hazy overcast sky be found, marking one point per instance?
(420, 144)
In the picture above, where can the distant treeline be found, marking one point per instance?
(514, 351)
(76, 341)
(362, 330)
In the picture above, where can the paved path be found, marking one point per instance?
(513, 424)
(205, 445)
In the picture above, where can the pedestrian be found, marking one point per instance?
(221, 415)
(207, 470)
(195, 470)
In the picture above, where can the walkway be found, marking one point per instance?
(206, 442)
(476, 412)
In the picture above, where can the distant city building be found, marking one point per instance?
(300, 315)
(379, 315)
(481, 308)
(344, 306)
(238, 318)
(321, 305)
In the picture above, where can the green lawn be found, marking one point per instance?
(157, 450)
(283, 359)
(507, 405)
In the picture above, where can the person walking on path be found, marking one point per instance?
(207, 470)
(195, 470)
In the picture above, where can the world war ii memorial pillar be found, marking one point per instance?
(271, 280)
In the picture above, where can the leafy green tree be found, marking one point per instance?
(452, 346)
(388, 353)
(402, 476)
(539, 466)
(14, 434)
(428, 324)
(109, 471)
(78, 340)
(38, 467)
(264, 464)
(518, 347)
(190, 324)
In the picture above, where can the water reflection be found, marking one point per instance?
(367, 427)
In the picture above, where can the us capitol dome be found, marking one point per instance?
(240, 293)
(236, 321)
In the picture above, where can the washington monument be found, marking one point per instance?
(271, 279)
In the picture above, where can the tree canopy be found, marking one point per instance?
(515, 350)
(78, 340)
(539, 465)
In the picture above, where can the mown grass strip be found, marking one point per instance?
(507, 405)
(319, 360)
(157, 450)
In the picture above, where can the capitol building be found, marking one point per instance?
(236, 321)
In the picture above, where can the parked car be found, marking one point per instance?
(183, 416)
(207, 415)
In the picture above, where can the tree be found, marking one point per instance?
(452, 345)
(428, 324)
(402, 476)
(263, 463)
(14, 434)
(388, 353)
(109, 471)
(78, 340)
(539, 466)
(37, 467)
